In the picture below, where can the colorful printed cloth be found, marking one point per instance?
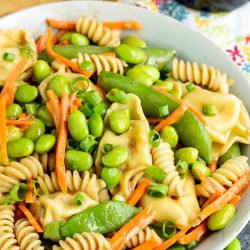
(229, 30)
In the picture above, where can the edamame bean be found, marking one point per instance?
(101, 108)
(78, 160)
(77, 124)
(41, 70)
(187, 154)
(59, 84)
(134, 41)
(13, 133)
(20, 147)
(111, 176)
(43, 114)
(199, 167)
(169, 135)
(34, 131)
(166, 85)
(13, 111)
(78, 39)
(119, 121)
(26, 93)
(95, 124)
(45, 143)
(115, 157)
(130, 54)
(232, 152)
(234, 245)
(221, 218)
(65, 36)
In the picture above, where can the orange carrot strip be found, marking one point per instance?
(172, 118)
(52, 106)
(149, 245)
(30, 194)
(108, 54)
(215, 196)
(57, 36)
(152, 120)
(3, 129)
(61, 24)
(133, 227)
(20, 122)
(235, 200)
(74, 66)
(64, 42)
(72, 98)
(30, 217)
(213, 166)
(40, 43)
(168, 243)
(122, 25)
(197, 114)
(138, 192)
(78, 102)
(72, 108)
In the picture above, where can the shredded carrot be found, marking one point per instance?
(109, 54)
(138, 192)
(30, 194)
(72, 108)
(74, 66)
(172, 118)
(235, 200)
(61, 24)
(20, 122)
(133, 227)
(215, 196)
(149, 245)
(30, 217)
(197, 114)
(64, 42)
(40, 43)
(57, 36)
(78, 102)
(152, 120)
(122, 25)
(72, 98)
(213, 166)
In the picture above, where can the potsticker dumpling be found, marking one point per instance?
(12, 41)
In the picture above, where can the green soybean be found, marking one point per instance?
(26, 93)
(167, 85)
(221, 218)
(134, 41)
(34, 131)
(115, 157)
(13, 133)
(111, 176)
(77, 124)
(41, 70)
(45, 143)
(169, 135)
(199, 167)
(119, 121)
(43, 114)
(77, 160)
(13, 111)
(65, 36)
(187, 154)
(130, 54)
(60, 84)
(95, 124)
(101, 108)
(78, 39)
(232, 152)
(234, 245)
(20, 148)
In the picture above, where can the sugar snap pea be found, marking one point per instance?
(232, 152)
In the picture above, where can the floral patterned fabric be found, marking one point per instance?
(229, 30)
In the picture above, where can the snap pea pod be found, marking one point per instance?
(103, 218)
(191, 131)
(232, 152)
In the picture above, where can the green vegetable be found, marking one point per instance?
(96, 125)
(191, 245)
(87, 66)
(65, 36)
(157, 190)
(115, 157)
(190, 87)
(118, 197)
(72, 144)
(39, 188)
(168, 229)
(20, 148)
(59, 84)
(191, 131)
(166, 85)
(92, 97)
(101, 108)
(31, 108)
(34, 131)
(103, 218)
(45, 143)
(26, 93)
(13, 133)
(78, 39)
(232, 152)
(154, 138)
(197, 166)
(155, 173)
(134, 41)
(77, 125)
(89, 144)
(18, 192)
(43, 114)
(53, 231)
(163, 111)
(26, 51)
(87, 109)
(209, 109)
(177, 247)
(169, 135)
(188, 154)
(119, 121)
(182, 168)
(116, 95)
(80, 84)
(107, 147)
(79, 199)
(234, 245)
(200, 160)
(13, 111)
(111, 176)
(41, 70)
(9, 57)
(221, 218)
(77, 160)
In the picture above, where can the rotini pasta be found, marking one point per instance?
(27, 237)
(203, 75)
(86, 241)
(95, 31)
(47, 161)
(59, 67)
(163, 157)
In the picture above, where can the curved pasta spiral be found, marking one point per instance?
(226, 175)
(27, 237)
(7, 237)
(95, 31)
(86, 241)
(101, 62)
(203, 75)
(58, 66)
(47, 161)
(163, 157)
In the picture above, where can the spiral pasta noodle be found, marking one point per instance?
(163, 157)
(86, 241)
(101, 62)
(7, 236)
(203, 75)
(95, 31)
(47, 161)
(226, 175)
(58, 66)
(26, 236)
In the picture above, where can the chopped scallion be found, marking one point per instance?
(155, 173)
(157, 190)
(182, 168)
(117, 95)
(88, 144)
(72, 144)
(53, 231)
(25, 50)
(92, 97)
(31, 108)
(6, 200)
(190, 87)
(9, 57)
(209, 109)
(107, 147)
(87, 109)
(154, 138)
(39, 188)
(168, 229)
(18, 192)
(79, 199)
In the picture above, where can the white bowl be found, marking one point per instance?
(161, 31)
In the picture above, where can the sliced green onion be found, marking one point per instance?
(79, 199)
(117, 95)
(190, 87)
(101, 108)
(87, 66)
(26, 51)
(65, 36)
(168, 229)
(163, 111)
(6, 201)
(87, 109)
(157, 190)
(31, 108)
(53, 231)
(18, 192)
(72, 144)
(154, 138)
(39, 189)
(80, 84)
(88, 144)
(92, 97)
(209, 109)
(191, 245)
(182, 168)
(155, 173)
(118, 197)
(107, 147)
(9, 57)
